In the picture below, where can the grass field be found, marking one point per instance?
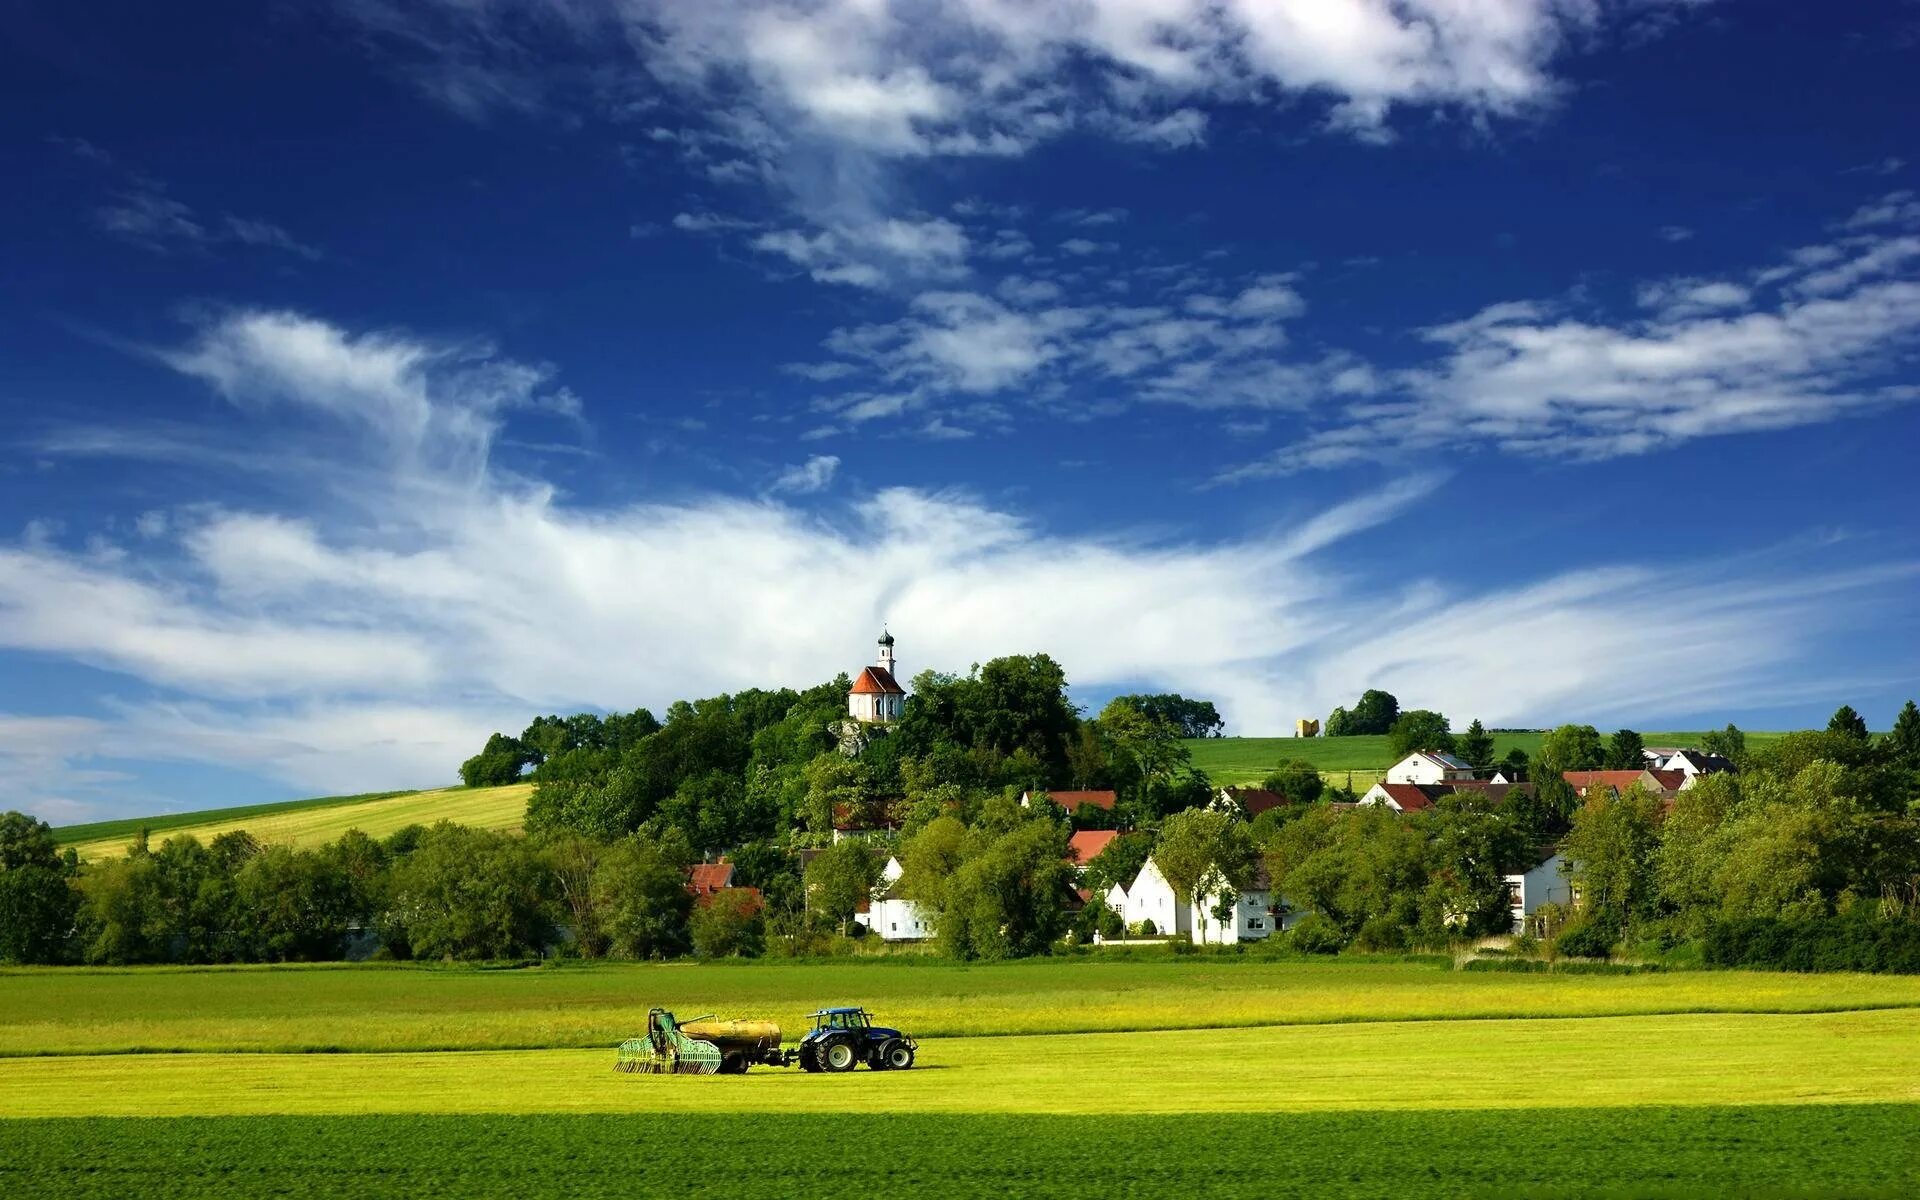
(1251, 759)
(1852, 1150)
(396, 1008)
(1210, 1077)
(314, 822)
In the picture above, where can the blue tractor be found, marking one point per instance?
(843, 1038)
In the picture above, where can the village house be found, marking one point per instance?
(1072, 801)
(1150, 898)
(1251, 920)
(1086, 845)
(1665, 784)
(892, 916)
(1246, 802)
(1543, 877)
(1428, 766)
(1688, 762)
(1402, 797)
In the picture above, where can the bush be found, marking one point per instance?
(1520, 965)
(1315, 934)
(1588, 939)
(1381, 933)
(1846, 943)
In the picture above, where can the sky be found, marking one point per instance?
(377, 374)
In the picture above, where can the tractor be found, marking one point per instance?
(843, 1038)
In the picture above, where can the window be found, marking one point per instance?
(1255, 923)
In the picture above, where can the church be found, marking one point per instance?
(876, 695)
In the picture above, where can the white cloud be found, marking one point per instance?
(146, 216)
(814, 475)
(357, 647)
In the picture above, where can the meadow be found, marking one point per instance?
(1236, 760)
(315, 822)
(1142, 1074)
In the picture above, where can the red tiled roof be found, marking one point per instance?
(1082, 847)
(1256, 800)
(877, 681)
(755, 901)
(1672, 781)
(1411, 797)
(706, 878)
(1620, 781)
(1071, 801)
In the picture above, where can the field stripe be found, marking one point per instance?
(1601, 1062)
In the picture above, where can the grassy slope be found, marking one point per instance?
(127, 827)
(399, 1008)
(1853, 1150)
(1250, 759)
(309, 823)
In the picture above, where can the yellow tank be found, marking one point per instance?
(735, 1035)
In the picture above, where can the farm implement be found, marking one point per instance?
(840, 1040)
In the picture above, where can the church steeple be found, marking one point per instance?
(886, 652)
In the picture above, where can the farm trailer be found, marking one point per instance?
(840, 1040)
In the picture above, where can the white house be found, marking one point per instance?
(1252, 919)
(1151, 898)
(1688, 762)
(1428, 767)
(876, 696)
(1547, 881)
(1401, 797)
(892, 916)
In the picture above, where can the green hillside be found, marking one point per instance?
(315, 822)
(1250, 759)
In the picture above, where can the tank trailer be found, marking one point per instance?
(840, 1040)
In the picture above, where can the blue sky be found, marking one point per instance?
(376, 375)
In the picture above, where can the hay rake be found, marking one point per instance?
(667, 1051)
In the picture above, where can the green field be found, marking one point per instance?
(1250, 759)
(314, 822)
(1205, 1075)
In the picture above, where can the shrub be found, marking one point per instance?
(1381, 933)
(1844, 943)
(1587, 939)
(1315, 934)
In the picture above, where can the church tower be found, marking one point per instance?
(876, 695)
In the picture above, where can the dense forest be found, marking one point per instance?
(1816, 832)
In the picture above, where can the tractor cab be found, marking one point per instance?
(842, 1018)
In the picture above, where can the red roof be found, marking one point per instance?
(704, 879)
(877, 681)
(1082, 847)
(755, 901)
(1256, 800)
(1620, 781)
(1411, 797)
(1073, 800)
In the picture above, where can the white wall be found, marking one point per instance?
(1251, 921)
(1151, 898)
(899, 921)
(1547, 883)
(1415, 768)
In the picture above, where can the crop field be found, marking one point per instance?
(1250, 759)
(313, 823)
(1136, 1075)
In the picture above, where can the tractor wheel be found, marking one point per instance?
(894, 1056)
(839, 1056)
(809, 1060)
(733, 1064)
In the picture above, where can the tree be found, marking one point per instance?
(640, 890)
(1728, 743)
(1848, 722)
(470, 894)
(1570, 748)
(728, 924)
(1611, 847)
(1375, 713)
(1419, 729)
(1296, 779)
(37, 900)
(840, 879)
(1146, 751)
(928, 860)
(1007, 899)
(1904, 742)
(502, 761)
(1475, 745)
(1339, 724)
(1467, 853)
(1191, 718)
(298, 906)
(1118, 864)
(1626, 751)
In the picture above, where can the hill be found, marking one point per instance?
(1250, 759)
(314, 822)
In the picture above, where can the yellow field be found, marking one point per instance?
(1598, 1062)
(483, 808)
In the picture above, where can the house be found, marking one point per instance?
(1688, 762)
(1247, 802)
(1402, 797)
(704, 879)
(1428, 766)
(892, 916)
(1150, 898)
(1542, 877)
(876, 697)
(1071, 801)
(1252, 919)
(1085, 846)
(1666, 784)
